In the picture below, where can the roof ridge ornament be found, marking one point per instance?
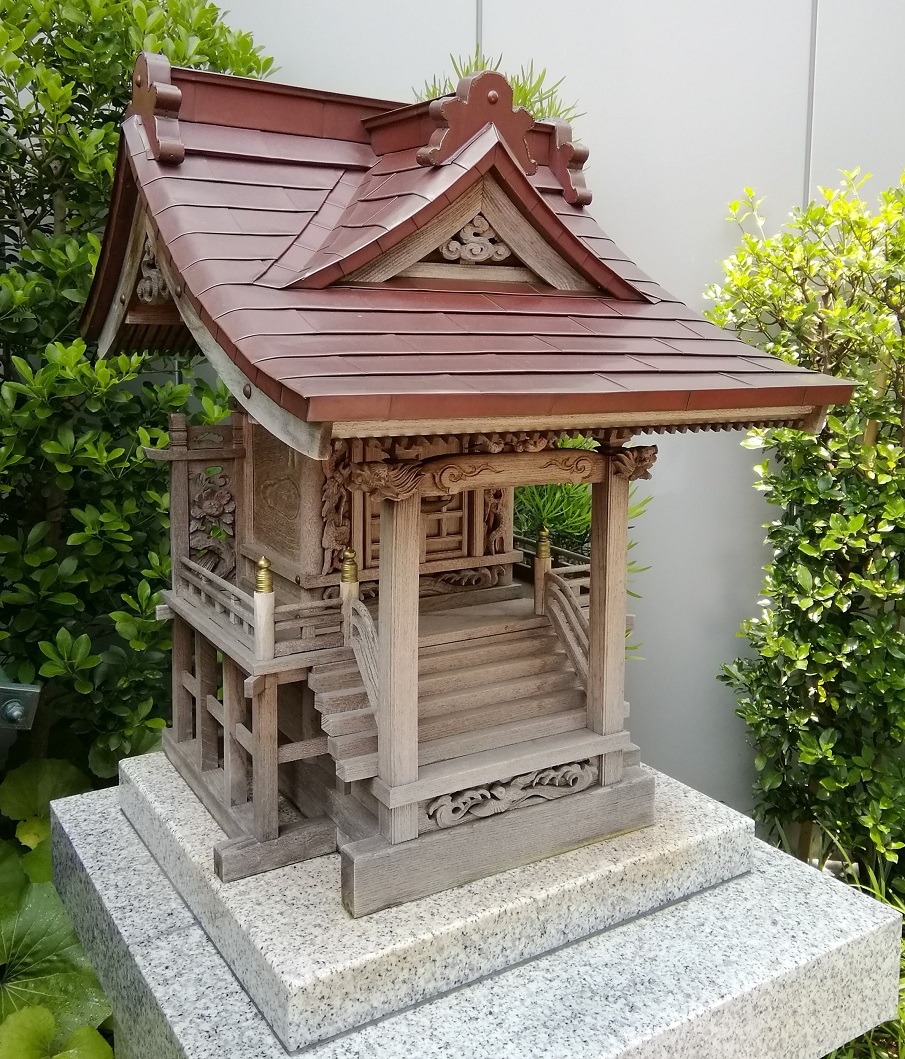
(156, 102)
(567, 160)
(482, 99)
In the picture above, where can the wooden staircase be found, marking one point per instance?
(488, 686)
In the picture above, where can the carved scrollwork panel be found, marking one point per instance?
(453, 581)
(500, 797)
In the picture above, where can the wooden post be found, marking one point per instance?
(235, 757)
(606, 640)
(397, 626)
(179, 499)
(542, 564)
(265, 766)
(207, 729)
(264, 604)
(181, 661)
(348, 590)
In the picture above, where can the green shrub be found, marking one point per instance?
(83, 516)
(824, 693)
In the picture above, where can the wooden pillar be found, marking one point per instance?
(182, 664)
(235, 757)
(606, 639)
(264, 610)
(397, 626)
(543, 562)
(207, 729)
(265, 766)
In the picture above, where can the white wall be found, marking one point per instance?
(685, 105)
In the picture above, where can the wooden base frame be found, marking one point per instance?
(377, 874)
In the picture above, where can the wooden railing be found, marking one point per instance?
(315, 625)
(218, 595)
(363, 641)
(562, 600)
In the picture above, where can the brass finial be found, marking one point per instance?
(349, 571)
(264, 578)
(543, 543)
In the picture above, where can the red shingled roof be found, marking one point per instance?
(265, 199)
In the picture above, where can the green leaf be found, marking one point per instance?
(28, 1034)
(27, 791)
(38, 864)
(13, 878)
(44, 964)
(34, 831)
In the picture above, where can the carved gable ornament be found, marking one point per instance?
(483, 99)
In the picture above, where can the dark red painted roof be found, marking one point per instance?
(264, 198)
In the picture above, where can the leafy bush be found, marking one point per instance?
(824, 694)
(48, 993)
(83, 516)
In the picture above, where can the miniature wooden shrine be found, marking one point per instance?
(412, 307)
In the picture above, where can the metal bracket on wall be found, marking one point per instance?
(18, 704)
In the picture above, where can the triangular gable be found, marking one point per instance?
(487, 203)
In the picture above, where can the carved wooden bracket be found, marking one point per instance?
(388, 481)
(444, 475)
(156, 100)
(567, 161)
(483, 99)
(151, 288)
(634, 463)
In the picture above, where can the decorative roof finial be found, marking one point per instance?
(567, 161)
(483, 99)
(156, 101)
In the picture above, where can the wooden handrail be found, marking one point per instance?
(364, 643)
(569, 620)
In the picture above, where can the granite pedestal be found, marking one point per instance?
(779, 961)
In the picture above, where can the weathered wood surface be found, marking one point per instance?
(397, 715)
(444, 777)
(265, 793)
(377, 874)
(606, 612)
(238, 858)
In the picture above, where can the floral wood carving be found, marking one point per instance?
(476, 243)
(634, 463)
(567, 160)
(212, 508)
(337, 533)
(530, 788)
(156, 101)
(151, 288)
(388, 481)
(483, 99)
(453, 581)
(524, 441)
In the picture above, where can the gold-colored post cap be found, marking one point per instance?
(264, 577)
(349, 570)
(543, 543)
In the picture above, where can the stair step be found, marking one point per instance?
(521, 709)
(336, 675)
(349, 722)
(356, 755)
(496, 692)
(341, 699)
(454, 746)
(467, 675)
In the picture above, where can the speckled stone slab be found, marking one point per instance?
(315, 972)
(780, 963)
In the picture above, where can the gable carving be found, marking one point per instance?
(476, 243)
